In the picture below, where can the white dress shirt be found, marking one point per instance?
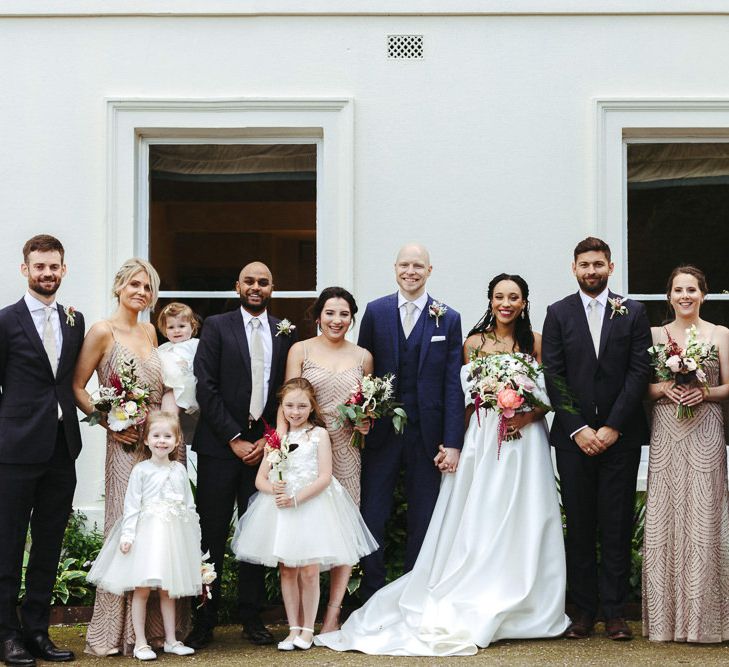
(38, 313)
(265, 334)
(419, 304)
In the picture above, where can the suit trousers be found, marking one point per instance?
(598, 493)
(39, 495)
(381, 468)
(221, 483)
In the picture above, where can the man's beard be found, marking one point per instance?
(598, 288)
(36, 286)
(254, 308)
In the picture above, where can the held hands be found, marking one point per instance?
(279, 491)
(250, 453)
(129, 436)
(446, 460)
(593, 442)
(124, 547)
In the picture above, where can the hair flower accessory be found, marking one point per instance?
(617, 307)
(437, 310)
(70, 313)
(285, 327)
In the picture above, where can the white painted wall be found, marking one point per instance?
(485, 150)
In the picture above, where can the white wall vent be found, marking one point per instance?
(405, 46)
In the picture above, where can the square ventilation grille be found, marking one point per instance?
(408, 47)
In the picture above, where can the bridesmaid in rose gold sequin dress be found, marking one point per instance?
(686, 544)
(334, 366)
(136, 285)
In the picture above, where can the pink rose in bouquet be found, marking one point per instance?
(509, 401)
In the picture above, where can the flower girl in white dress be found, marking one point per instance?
(156, 543)
(178, 324)
(303, 519)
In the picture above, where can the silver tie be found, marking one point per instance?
(409, 322)
(49, 339)
(257, 369)
(595, 323)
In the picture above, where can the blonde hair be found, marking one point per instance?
(128, 270)
(177, 309)
(154, 417)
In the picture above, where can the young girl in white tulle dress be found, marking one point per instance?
(156, 543)
(178, 324)
(302, 518)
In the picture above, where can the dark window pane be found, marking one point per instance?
(678, 213)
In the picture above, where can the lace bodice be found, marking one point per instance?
(301, 467)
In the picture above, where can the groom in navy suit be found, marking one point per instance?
(419, 340)
(239, 366)
(39, 443)
(597, 344)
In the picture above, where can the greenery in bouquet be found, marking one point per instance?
(371, 399)
(682, 366)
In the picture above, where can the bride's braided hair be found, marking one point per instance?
(523, 335)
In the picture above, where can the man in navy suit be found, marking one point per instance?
(423, 349)
(39, 443)
(597, 344)
(239, 366)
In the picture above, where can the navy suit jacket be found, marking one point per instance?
(440, 397)
(223, 371)
(609, 387)
(30, 392)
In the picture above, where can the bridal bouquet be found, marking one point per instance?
(372, 398)
(125, 402)
(506, 383)
(682, 366)
(277, 449)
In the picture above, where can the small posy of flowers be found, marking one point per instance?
(437, 310)
(507, 383)
(682, 366)
(617, 307)
(70, 313)
(277, 449)
(208, 575)
(284, 328)
(372, 398)
(125, 402)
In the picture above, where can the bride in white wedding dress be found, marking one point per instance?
(492, 565)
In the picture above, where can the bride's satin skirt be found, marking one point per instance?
(492, 565)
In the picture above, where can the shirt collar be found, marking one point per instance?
(601, 298)
(35, 304)
(247, 317)
(419, 302)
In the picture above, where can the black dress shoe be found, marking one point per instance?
(580, 627)
(618, 630)
(257, 633)
(200, 636)
(42, 647)
(15, 653)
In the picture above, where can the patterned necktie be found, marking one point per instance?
(257, 369)
(595, 322)
(409, 321)
(49, 339)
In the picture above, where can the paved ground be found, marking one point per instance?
(230, 649)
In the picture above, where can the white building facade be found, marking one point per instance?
(496, 132)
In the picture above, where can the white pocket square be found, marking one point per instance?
(435, 339)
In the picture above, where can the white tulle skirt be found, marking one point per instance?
(326, 529)
(165, 554)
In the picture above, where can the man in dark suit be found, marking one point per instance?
(239, 365)
(39, 443)
(597, 344)
(419, 340)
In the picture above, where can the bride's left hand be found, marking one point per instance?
(519, 421)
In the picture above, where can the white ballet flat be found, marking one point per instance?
(301, 644)
(288, 645)
(145, 653)
(178, 648)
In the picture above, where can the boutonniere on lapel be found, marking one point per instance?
(70, 313)
(284, 327)
(437, 310)
(617, 307)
